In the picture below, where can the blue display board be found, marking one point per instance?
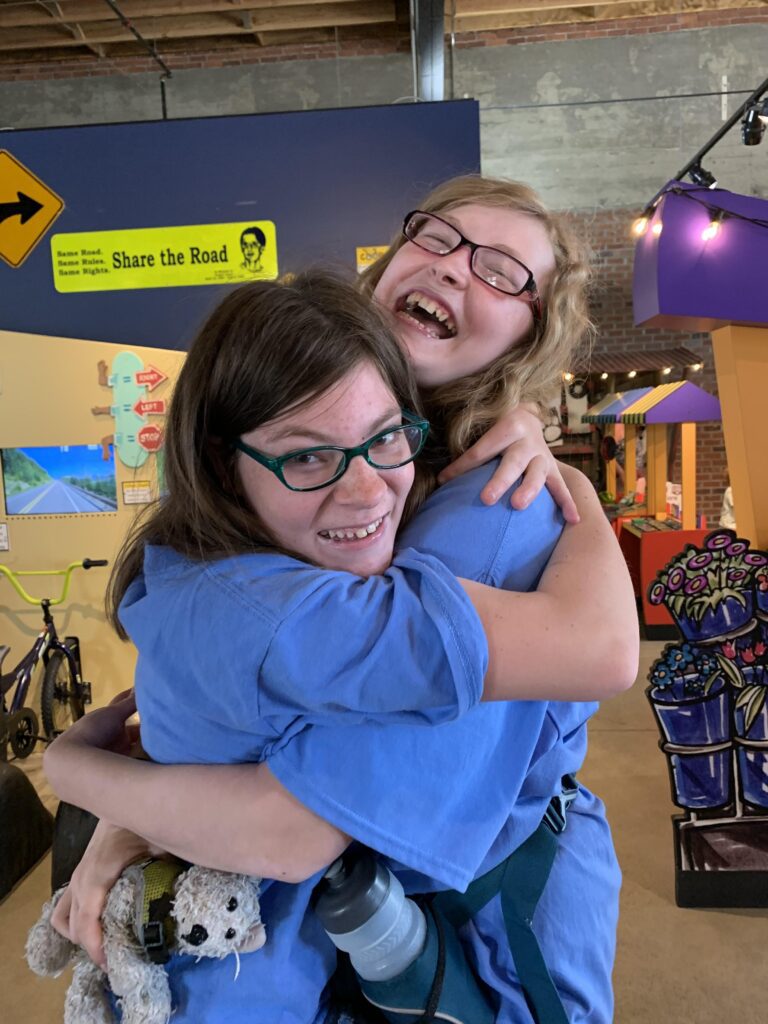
(330, 181)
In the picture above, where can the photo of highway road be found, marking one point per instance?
(62, 480)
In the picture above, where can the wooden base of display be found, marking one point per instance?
(721, 862)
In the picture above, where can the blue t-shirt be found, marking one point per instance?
(262, 656)
(239, 656)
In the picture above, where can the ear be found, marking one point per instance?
(254, 939)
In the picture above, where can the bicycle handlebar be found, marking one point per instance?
(13, 578)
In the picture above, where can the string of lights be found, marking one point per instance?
(753, 114)
(717, 214)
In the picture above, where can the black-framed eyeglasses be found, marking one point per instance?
(309, 469)
(496, 268)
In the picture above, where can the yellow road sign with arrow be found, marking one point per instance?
(27, 209)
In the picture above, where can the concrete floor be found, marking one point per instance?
(686, 966)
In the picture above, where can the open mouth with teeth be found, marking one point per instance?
(428, 314)
(353, 532)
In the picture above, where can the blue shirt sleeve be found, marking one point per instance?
(265, 644)
(408, 645)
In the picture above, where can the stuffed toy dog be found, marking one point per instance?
(153, 910)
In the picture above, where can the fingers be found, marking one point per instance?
(60, 915)
(558, 488)
(535, 476)
(512, 464)
(87, 926)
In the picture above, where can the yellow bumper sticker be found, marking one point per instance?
(98, 261)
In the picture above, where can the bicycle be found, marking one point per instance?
(64, 694)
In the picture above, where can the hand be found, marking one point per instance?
(518, 437)
(106, 728)
(77, 915)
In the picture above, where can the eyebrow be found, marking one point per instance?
(320, 438)
(486, 245)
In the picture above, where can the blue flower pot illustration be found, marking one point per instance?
(752, 755)
(698, 720)
(729, 616)
(701, 777)
(696, 731)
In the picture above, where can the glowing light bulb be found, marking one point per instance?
(632, 373)
(603, 376)
(713, 227)
(667, 370)
(697, 366)
(567, 377)
(640, 226)
(657, 228)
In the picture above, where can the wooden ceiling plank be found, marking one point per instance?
(616, 10)
(108, 32)
(478, 7)
(85, 11)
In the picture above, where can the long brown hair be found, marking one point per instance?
(529, 370)
(266, 348)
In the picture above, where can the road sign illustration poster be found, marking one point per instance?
(28, 207)
(58, 480)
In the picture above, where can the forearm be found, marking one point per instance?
(230, 817)
(576, 637)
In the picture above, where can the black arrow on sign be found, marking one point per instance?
(25, 208)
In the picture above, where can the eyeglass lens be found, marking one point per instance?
(322, 465)
(490, 265)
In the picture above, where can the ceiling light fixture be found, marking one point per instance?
(603, 376)
(752, 127)
(667, 370)
(632, 373)
(700, 176)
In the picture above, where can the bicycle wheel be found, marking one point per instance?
(24, 733)
(60, 702)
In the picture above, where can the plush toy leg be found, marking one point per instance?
(147, 999)
(47, 952)
(87, 998)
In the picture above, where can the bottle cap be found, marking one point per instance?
(351, 891)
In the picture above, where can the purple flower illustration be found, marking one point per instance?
(657, 594)
(699, 561)
(737, 575)
(717, 541)
(676, 579)
(756, 559)
(737, 548)
(696, 585)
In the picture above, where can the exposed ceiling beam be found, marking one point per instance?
(487, 15)
(329, 15)
(17, 15)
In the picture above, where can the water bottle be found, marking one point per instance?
(365, 912)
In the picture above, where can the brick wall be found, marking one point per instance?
(609, 234)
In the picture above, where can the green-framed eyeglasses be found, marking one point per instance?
(309, 469)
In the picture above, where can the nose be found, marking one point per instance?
(454, 268)
(362, 485)
(196, 936)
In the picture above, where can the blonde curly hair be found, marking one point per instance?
(529, 371)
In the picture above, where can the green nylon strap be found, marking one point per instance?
(155, 925)
(520, 879)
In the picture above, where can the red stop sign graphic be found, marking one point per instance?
(150, 438)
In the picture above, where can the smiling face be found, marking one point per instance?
(451, 323)
(350, 524)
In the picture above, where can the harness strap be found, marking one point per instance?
(520, 879)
